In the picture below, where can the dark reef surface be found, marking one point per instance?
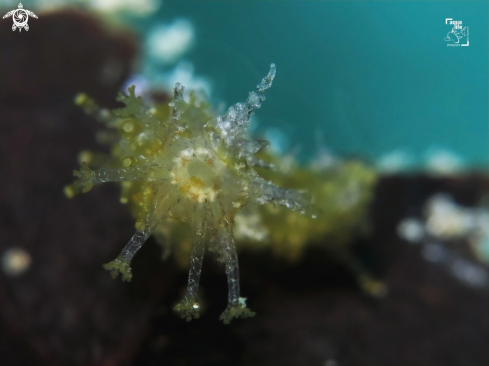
(66, 310)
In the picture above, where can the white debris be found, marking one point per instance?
(445, 219)
(411, 230)
(442, 161)
(15, 261)
(248, 225)
(168, 42)
(396, 161)
(445, 223)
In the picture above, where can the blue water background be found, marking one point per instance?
(363, 78)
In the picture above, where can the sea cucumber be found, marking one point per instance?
(179, 162)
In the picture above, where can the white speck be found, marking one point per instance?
(411, 230)
(168, 42)
(442, 161)
(395, 161)
(248, 225)
(15, 261)
(445, 219)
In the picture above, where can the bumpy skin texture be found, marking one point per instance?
(192, 168)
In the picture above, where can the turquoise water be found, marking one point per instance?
(363, 78)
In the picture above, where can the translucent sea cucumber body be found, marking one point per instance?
(189, 167)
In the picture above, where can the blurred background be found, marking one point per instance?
(388, 84)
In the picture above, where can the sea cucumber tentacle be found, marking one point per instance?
(265, 191)
(230, 258)
(236, 305)
(255, 162)
(122, 264)
(88, 178)
(85, 178)
(134, 108)
(233, 126)
(188, 307)
(91, 108)
(161, 208)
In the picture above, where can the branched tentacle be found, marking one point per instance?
(234, 124)
(91, 108)
(246, 148)
(268, 192)
(134, 108)
(87, 178)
